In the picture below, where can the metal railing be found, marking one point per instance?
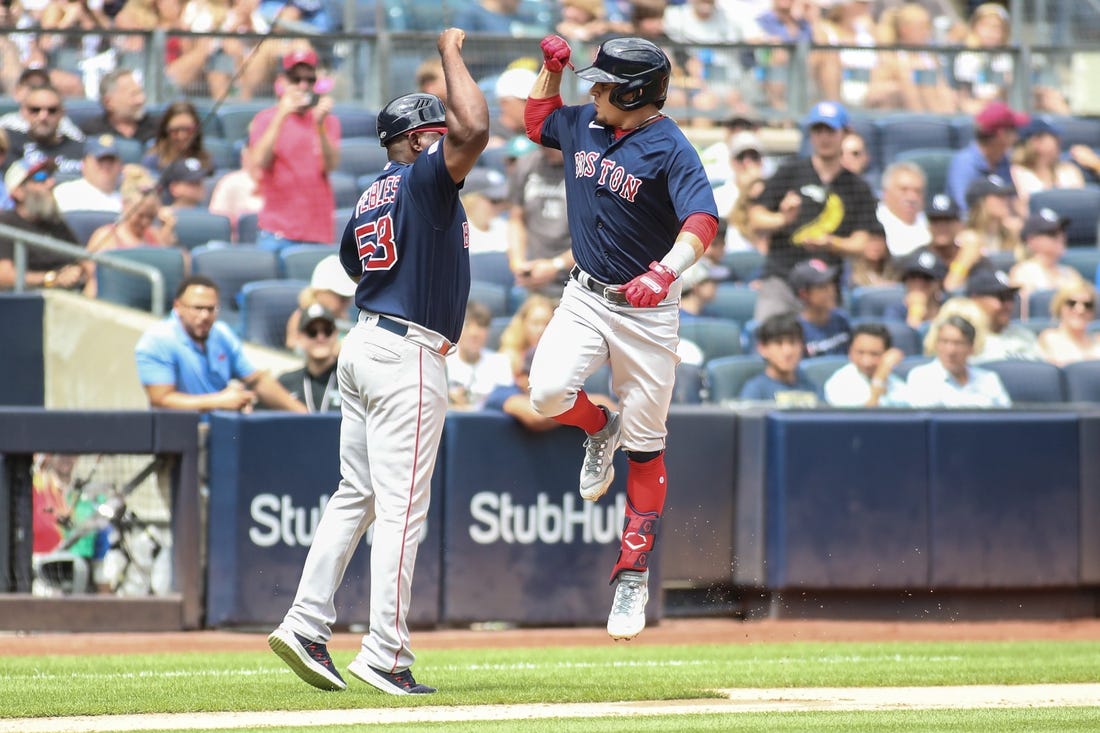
(24, 239)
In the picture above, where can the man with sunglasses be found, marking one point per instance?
(996, 295)
(17, 120)
(41, 137)
(31, 188)
(296, 144)
(315, 383)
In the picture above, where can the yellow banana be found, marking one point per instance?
(827, 222)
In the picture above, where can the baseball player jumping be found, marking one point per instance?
(640, 212)
(407, 245)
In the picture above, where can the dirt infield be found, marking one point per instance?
(669, 631)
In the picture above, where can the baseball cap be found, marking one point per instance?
(101, 146)
(520, 145)
(189, 170)
(743, 141)
(20, 170)
(34, 70)
(992, 185)
(998, 116)
(942, 206)
(329, 274)
(832, 114)
(314, 312)
(809, 273)
(515, 83)
(488, 182)
(1044, 221)
(987, 281)
(924, 263)
(698, 274)
(1041, 125)
(299, 56)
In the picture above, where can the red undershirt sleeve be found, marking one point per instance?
(535, 113)
(701, 225)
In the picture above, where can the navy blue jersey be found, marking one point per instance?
(626, 198)
(408, 243)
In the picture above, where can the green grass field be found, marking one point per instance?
(98, 685)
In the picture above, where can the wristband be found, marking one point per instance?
(680, 257)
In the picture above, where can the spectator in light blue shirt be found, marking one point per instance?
(192, 361)
(779, 340)
(996, 130)
(949, 380)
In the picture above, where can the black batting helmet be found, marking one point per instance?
(409, 112)
(639, 68)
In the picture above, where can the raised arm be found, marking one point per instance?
(467, 110)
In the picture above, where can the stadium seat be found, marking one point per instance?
(745, 265)
(871, 301)
(361, 155)
(494, 158)
(265, 307)
(232, 267)
(689, 386)
(899, 133)
(904, 337)
(1036, 325)
(1083, 259)
(1078, 130)
(818, 369)
(934, 162)
(297, 261)
(715, 337)
(130, 151)
(1082, 381)
(496, 328)
(356, 121)
(732, 301)
(1001, 260)
(248, 228)
(491, 267)
(85, 222)
(962, 128)
(1080, 205)
(82, 111)
(115, 286)
(1034, 382)
(493, 296)
(728, 374)
(1038, 305)
(196, 227)
(340, 219)
(345, 189)
(599, 381)
(235, 117)
(902, 369)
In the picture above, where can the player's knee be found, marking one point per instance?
(550, 399)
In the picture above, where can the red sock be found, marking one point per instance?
(584, 414)
(646, 484)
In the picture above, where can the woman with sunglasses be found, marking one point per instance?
(179, 136)
(1074, 308)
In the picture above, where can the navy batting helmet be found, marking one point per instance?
(409, 112)
(639, 68)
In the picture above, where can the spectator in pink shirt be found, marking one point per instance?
(296, 144)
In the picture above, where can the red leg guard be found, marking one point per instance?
(639, 537)
(646, 484)
(584, 414)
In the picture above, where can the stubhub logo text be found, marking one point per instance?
(497, 519)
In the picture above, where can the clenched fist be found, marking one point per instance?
(555, 53)
(651, 287)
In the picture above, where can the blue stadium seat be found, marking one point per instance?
(496, 328)
(85, 222)
(902, 369)
(715, 337)
(297, 261)
(1080, 205)
(1083, 259)
(904, 337)
(934, 162)
(871, 301)
(345, 189)
(196, 227)
(82, 111)
(356, 121)
(1035, 382)
(340, 219)
(235, 117)
(231, 267)
(818, 369)
(361, 155)
(116, 286)
(130, 151)
(493, 296)
(1038, 305)
(745, 265)
(491, 267)
(732, 301)
(266, 306)
(1082, 381)
(223, 154)
(962, 128)
(690, 384)
(898, 133)
(248, 228)
(727, 375)
(1078, 130)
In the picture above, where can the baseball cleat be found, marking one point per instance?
(391, 683)
(308, 659)
(598, 470)
(627, 617)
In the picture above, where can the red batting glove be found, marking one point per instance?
(555, 53)
(651, 287)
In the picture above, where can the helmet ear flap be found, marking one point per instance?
(639, 92)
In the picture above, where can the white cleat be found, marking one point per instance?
(598, 470)
(627, 617)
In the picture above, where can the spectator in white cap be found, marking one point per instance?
(699, 285)
(512, 88)
(332, 288)
(746, 164)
